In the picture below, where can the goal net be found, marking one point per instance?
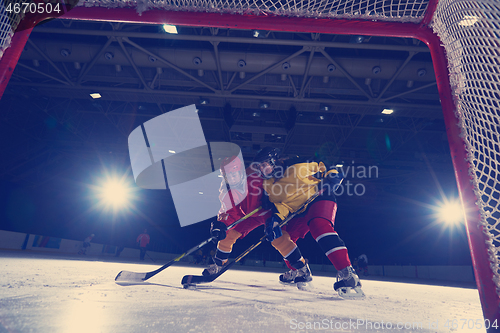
(464, 39)
(8, 24)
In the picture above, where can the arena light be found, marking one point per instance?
(324, 107)
(204, 101)
(387, 111)
(114, 193)
(264, 105)
(171, 29)
(450, 212)
(95, 95)
(260, 34)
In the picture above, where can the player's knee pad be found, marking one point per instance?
(325, 209)
(319, 226)
(330, 242)
(226, 245)
(284, 244)
(324, 234)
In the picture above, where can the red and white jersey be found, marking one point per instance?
(240, 200)
(233, 197)
(143, 240)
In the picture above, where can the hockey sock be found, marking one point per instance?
(287, 263)
(294, 260)
(330, 242)
(284, 244)
(221, 257)
(226, 245)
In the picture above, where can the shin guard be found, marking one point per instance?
(330, 242)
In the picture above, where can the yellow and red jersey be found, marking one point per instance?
(297, 183)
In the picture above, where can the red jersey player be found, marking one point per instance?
(239, 195)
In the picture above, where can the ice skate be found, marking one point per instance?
(211, 270)
(348, 284)
(292, 277)
(303, 278)
(288, 278)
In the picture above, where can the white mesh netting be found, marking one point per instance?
(407, 11)
(470, 33)
(387, 10)
(8, 24)
(395, 10)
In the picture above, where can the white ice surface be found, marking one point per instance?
(43, 293)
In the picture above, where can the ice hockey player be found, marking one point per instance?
(288, 184)
(363, 264)
(240, 194)
(86, 244)
(143, 241)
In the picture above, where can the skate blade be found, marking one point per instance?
(351, 293)
(288, 284)
(305, 286)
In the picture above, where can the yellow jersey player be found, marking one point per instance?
(288, 185)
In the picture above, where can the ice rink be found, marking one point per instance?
(44, 293)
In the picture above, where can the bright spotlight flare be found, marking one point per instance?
(450, 212)
(114, 193)
(171, 29)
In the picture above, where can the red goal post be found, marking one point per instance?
(464, 39)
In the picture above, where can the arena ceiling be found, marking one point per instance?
(308, 94)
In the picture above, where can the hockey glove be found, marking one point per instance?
(222, 216)
(218, 230)
(273, 229)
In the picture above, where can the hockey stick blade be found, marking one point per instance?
(197, 279)
(126, 276)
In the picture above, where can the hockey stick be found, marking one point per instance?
(150, 257)
(194, 279)
(127, 276)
